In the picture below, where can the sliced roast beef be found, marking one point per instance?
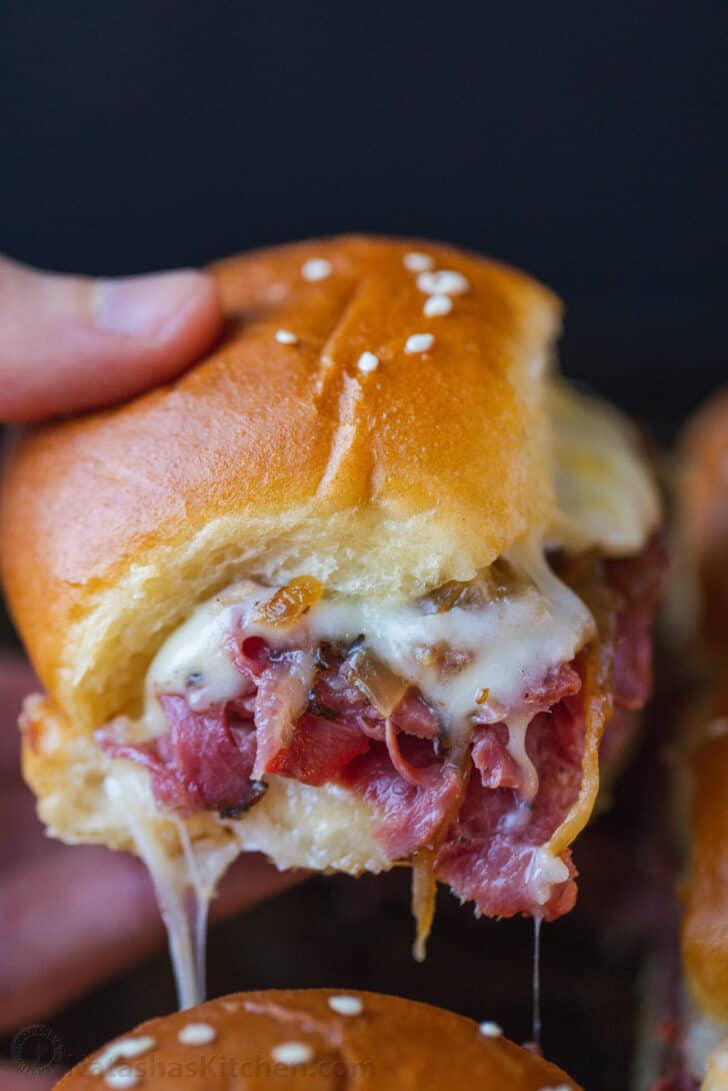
(283, 687)
(205, 762)
(489, 850)
(318, 750)
(410, 816)
(335, 714)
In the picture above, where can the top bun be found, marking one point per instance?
(271, 459)
(317, 1039)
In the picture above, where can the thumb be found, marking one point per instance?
(71, 343)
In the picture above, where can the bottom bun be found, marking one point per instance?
(319, 1039)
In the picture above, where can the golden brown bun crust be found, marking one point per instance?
(705, 921)
(393, 1045)
(704, 512)
(266, 458)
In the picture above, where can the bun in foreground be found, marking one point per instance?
(318, 1039)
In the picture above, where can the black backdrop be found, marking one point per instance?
(585, 142)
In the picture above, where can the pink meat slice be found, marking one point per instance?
(493, 760)
(334, 692)
(489, 849)
(281, 700)
(639, 581)
(561, 680)
(410, 816)
(205, 762)
(318, 750)
(632, 659)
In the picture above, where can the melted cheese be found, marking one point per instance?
(544, 871)
(295, 825)
(197, 650)
(184, 879)
(706, 1049)
(517, 728)
(503, 646)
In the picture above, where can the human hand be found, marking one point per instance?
(69, 344)
(58, 937)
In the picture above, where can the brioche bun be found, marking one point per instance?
(276, 459)
(252, 1041)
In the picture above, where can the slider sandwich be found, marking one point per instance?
(703, 807)
(317, 1039)
(369, 585)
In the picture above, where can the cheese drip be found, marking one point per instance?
(184, 876)
(517, 728)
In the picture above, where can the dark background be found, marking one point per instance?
(585, 142)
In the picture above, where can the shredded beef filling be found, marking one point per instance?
(304, 714)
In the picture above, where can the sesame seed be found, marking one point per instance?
(443, 282)
(419, 342)
(316, 269)
(490, 1030)
(121, 1078)
(285, 337)
(557, 1087)
(437, 305)
(197, 1034)
(124, 1049)
(368, 362)
(346, 1005)
(417, 262)
(292, 1053)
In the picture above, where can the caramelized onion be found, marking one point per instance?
(585, 575)
(496, 582)
(419, 777)
(290, 603)
(381, 686)
(424, 892)
(443, 598)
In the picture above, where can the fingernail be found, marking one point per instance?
(144, 306)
